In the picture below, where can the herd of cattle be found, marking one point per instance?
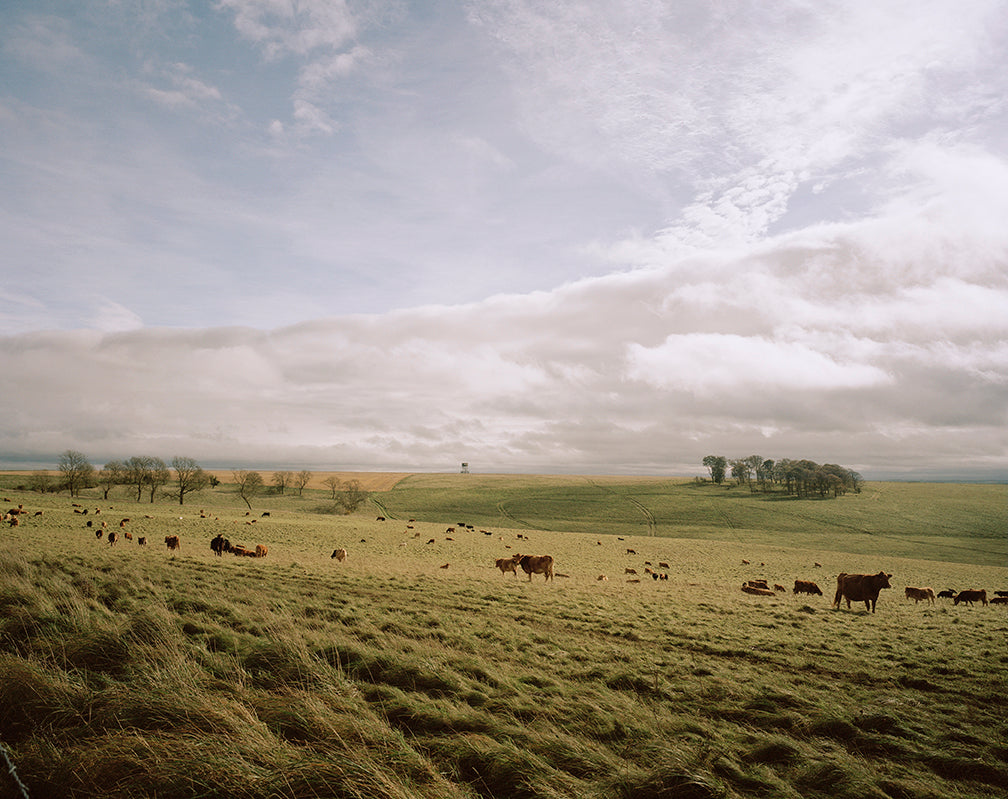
(866, 587)
(850, 587)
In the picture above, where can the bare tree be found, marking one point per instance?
(159, 475)
(249, 483)
(111, 474)
(333, 484)
(301, 479)
(138, 467)
(77, 471)
(281, 480)
(189, 477)
(352, 496)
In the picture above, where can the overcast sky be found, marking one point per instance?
(606, 237)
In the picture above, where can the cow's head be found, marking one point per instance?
(883, 580)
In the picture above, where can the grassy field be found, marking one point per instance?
(416, 669)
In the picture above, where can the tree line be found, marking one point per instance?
(799, 478)
(147, 475)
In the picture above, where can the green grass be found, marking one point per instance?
(137, 672)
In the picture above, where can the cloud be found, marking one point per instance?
(776, 349)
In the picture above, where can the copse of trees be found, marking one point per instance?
(146, 475)
(799, 478)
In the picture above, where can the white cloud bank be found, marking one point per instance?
(808, 345)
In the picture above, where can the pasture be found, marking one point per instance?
(416, 669)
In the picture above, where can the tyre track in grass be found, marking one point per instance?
(652, 523)
(506, 514)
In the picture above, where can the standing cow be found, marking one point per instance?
(507, 565)
(860, 588)
(970, 596)
(920, 594)
(535, 564)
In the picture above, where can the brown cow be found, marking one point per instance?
(806, 587)
(172, 542)
(142, 541)
(860, 588)
(261, 550)
(919, 594)
(752, 589)
(112, 537)
(507, 565)
(970, 596)
(999, 600)
(757, 584)
(535, 564)
(339, 554)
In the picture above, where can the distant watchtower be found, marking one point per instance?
(465, 468)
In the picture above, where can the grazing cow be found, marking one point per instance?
(631, 551)
(745, 562)
(239, 551)
(752, 589)
(536, 564)
(601, 578)
(779, 587)
(112, 537)
(663, 565)
(128, 535)
(663, 576)
(99, 533)
(172, 542)
(339, 554)
(817, 565)
(507, 565)
(38, 513)
(431, 541)
(445, 566)
(970, 596)
(122, 522)
(142, 541)
(261, 550)
(379, 518)
(1001, 593)
(999, 600)
(758, 584)
(265, 513)
(948, 593)
(220, 545)
(629, 571)
(806, 587)
(860, 588)
(918, 594)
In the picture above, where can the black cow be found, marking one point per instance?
(220, 545)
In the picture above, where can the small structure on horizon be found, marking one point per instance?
(465, 468)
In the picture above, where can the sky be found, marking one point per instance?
(581, 237)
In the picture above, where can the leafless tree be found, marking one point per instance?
(77, 471)
(111, 474)
(281, 480)
(301, 479)
(249, 483)
(189, 477)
